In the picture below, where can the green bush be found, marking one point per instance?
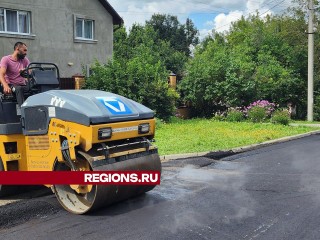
(281, 117)
(257, 114)
(235, 115)
(219, 116)
(141, 79)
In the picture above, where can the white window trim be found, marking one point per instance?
(83, 28)
(5, 22)
(83, 39)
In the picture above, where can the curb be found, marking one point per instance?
(225, 153)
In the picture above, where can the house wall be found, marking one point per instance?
(52, 33)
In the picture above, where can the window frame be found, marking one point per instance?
(83, 19)
(18, 14)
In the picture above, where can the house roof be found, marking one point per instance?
(117, 20)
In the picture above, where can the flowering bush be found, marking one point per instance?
(268, 106)
(260, 110)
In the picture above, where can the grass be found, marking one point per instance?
(305, 122)
(201, 135)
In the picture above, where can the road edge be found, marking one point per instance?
(228, 152)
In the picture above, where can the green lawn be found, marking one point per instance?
(305, 122)
(200, 135)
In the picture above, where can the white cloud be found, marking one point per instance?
(253, 6)
(204, 32)
(222, 21)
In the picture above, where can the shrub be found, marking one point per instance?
(219, 116)
(281, 117)
(266, 105)
(257, 114)
(260, 110)
(140, 80)
(235, 115)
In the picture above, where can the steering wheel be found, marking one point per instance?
(25, 72)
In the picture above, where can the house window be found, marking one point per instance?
(14, 21)
(84, 29)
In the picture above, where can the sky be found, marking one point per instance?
(205, 14)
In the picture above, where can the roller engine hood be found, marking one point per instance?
(88, 106)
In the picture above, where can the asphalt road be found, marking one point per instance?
(270, 193)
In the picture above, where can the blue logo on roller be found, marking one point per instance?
(115, 105)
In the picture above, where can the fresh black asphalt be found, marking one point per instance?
(269, 193)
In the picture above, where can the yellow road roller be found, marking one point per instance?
(76, 130)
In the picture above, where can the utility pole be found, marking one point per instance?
(310, 60)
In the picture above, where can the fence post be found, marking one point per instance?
(173, 80)
(78, 81)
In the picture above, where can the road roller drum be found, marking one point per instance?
(103, 195)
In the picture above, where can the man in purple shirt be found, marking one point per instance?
(10, 68)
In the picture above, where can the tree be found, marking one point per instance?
(206, 73)
(180, 36)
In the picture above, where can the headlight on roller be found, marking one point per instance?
(104, 133)
(144, 128)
